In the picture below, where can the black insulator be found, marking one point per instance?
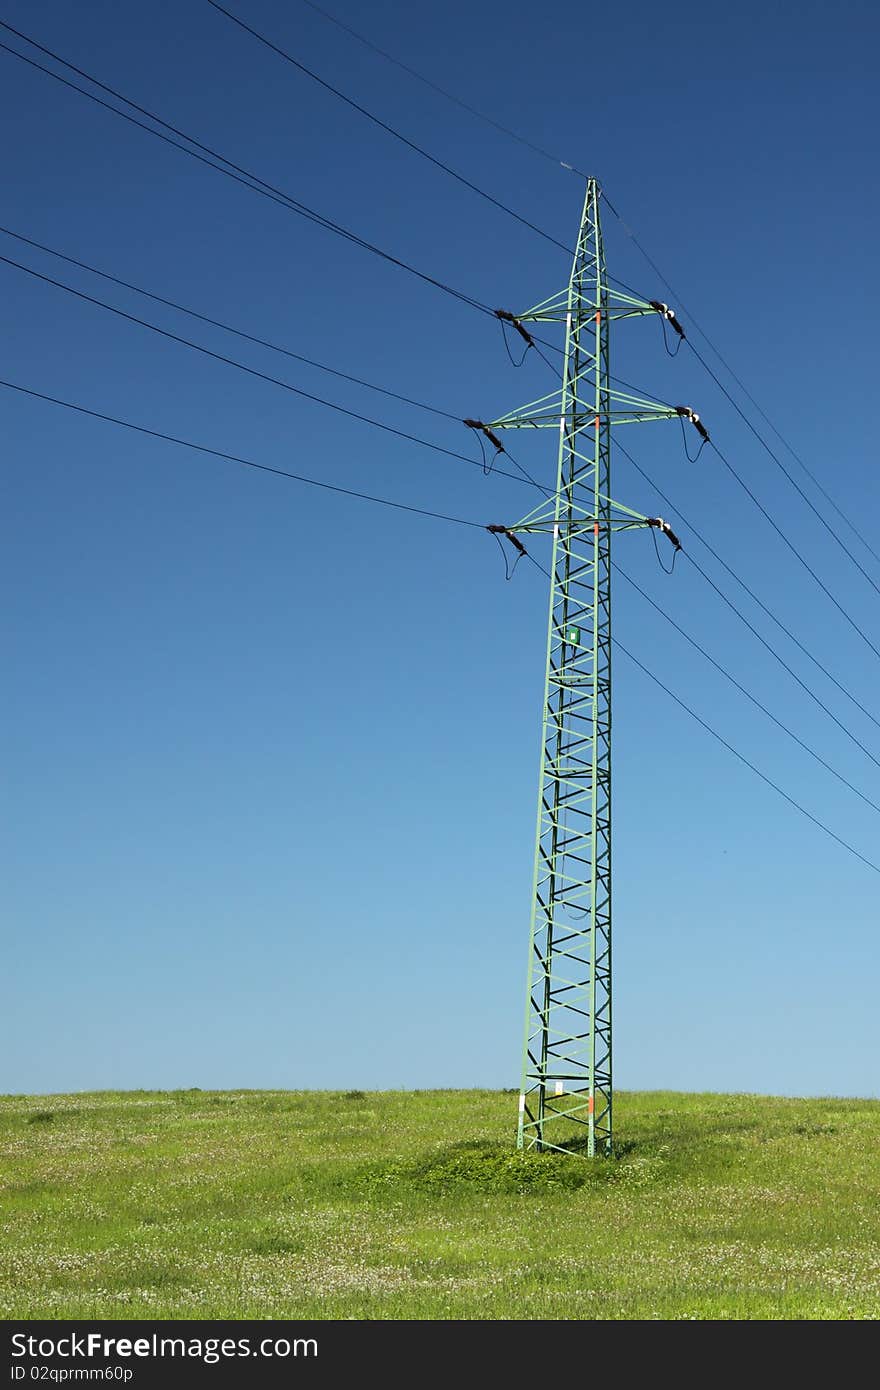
(669, 315)
(484, 429)
(514, 540)
(687, 414)
(507, 317)
(660, 525)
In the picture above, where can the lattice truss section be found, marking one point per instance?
(566, 1093)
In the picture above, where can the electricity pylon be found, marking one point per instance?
(566, 1094)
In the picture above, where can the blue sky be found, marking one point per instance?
(271, 754)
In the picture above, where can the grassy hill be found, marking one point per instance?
(412, 1204)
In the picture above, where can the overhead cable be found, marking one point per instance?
(459, 521)
(370, 116)
(251, 371)
(774, 618)
(795, 551)
(780, 724)
(229, 328)
(420, 77)
(236, 458)
(730, 748)
(628, 231)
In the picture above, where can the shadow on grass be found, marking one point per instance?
(620, 1148)
(482, 1166)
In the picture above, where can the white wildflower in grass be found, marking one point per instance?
(352, 1205)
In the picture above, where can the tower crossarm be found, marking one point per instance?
(619, 407)
(617, 304)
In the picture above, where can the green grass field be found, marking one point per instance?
(413, 1205)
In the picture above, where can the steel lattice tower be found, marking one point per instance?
(566, 1093)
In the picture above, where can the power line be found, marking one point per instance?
(252, 181)
(765, 609)
(419, 511)
(274, 47)
(727, 367)
(377, 424)
(418, 149)
(262, 342)
(251, 371)
(398, 135)
(555, 159)
(743, 759)
(481, 115)
(345, 232)
(794, 550)
(235, 458)
(228, 327)
(233, 171)
(771, 649)
(245, 176)
(797, 458)
(729, 746)
(743, 691)
(380, 425)
(797, 487)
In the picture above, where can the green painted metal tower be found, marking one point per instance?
(566, 1092)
